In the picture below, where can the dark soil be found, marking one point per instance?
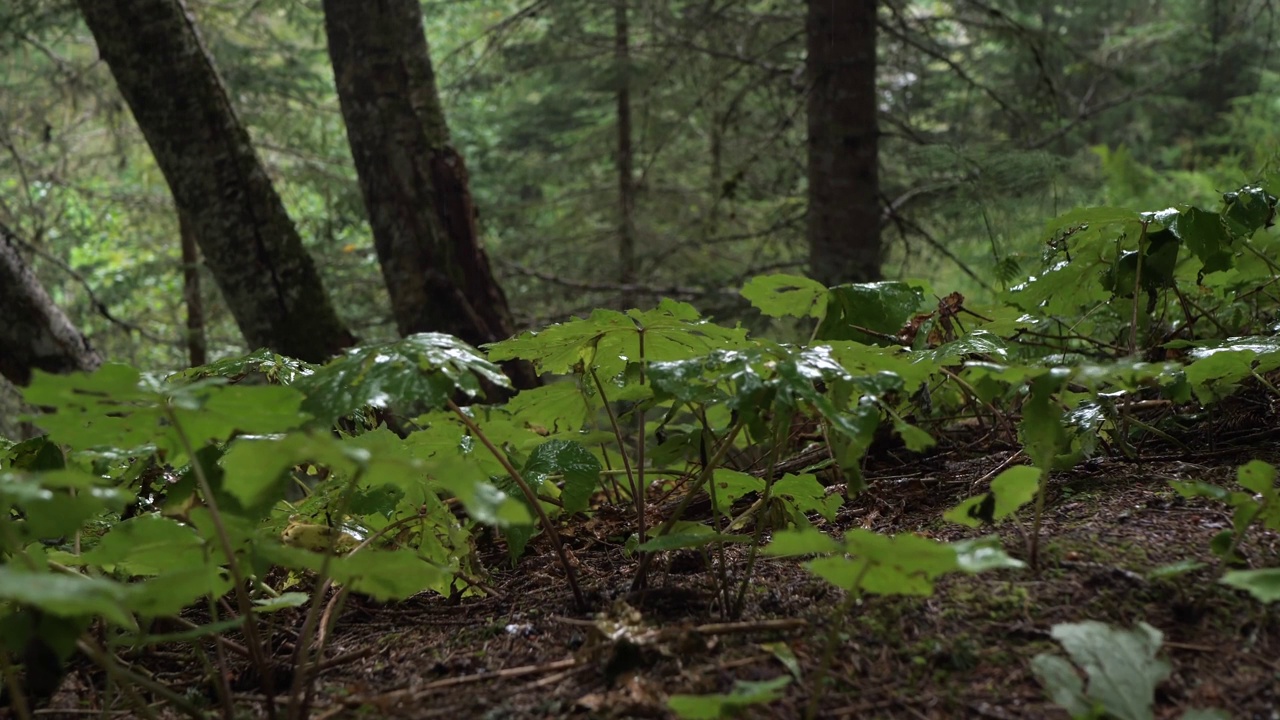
(526, 652)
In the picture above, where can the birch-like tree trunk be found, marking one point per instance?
(844, 202)
(250, 245)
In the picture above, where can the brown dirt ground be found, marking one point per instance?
(524, 652)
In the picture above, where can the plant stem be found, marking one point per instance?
(299, 695)
(17, 698)
(252, 640)
(570, 576)
(754, 551)
(617, 433)
(707, 471)
(126, 676)
(833, 640)
(1035, 526)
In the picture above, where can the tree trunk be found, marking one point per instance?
(252, 248)
(414, 183)
(626, 171)
(34, 332)
(197, 342)
(844, 206)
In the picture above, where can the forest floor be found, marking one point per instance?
(525, 652)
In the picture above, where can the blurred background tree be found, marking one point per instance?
(622, 152)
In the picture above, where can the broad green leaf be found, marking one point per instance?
(783, 295)
(730, 485)
(256, 467)
(1010, 490)
(881, 307)
(1121, 665)
(808, 495)
(248, 409)
(1174, 569)
(148, 545)
(1264, 585)
(691, 537)
(1063, 684)
(1205, 235)
(281, 602)
(979, 342)
(801, 541)
(275, 369)
(745, 693)
(1258, 477)
(1217, 367)
(381, 574)
(66, 595)
(1247, 210)
(578, 467)
(982, 554)
(427, 368)
(608, 340)
(1042, 431)
(171, 592)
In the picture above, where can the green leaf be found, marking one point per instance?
(1205, 235)
(745, 693)
(1042, 431)
(881, 307)
(248, 409)
(574, 462)
(256, 467)
(427, 368)
(1259, 477)
(981, 554)
(147, 545)
(66, 595)
(1247, 210)
(1174, 569)
(801, 541)
(1063, 684)
(696, 536)
(170, 593)
(1010, 490)
(808, 495)
(381, 574)
(275, 369)
(282, 601)
(1264, 585)
(783, 295)
(982, 343)
(607, 340)
(1121, 665)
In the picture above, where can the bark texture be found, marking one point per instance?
(626, 170)
(197, 341)
(414, 183)
(34, 332)
(248, 241)
(844, 204)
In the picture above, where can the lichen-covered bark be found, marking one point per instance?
(248, 241)
(414, 183)
(844, 204)
(34, 332)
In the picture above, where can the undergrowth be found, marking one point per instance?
(174, 511)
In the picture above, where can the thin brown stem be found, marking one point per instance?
(570, 576)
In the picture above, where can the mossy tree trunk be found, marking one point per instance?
(414, 183)
(249, 243)
(34, 332)
(844, 202)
